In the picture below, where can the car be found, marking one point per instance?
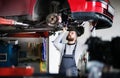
(99, 11)
(52, 15)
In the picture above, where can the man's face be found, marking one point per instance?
(72, 36)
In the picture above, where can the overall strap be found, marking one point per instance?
(74, 49)
(65, 49)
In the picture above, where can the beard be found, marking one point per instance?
(69, 38)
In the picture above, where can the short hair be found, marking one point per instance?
(79, 30)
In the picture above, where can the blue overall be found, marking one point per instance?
(68, 65)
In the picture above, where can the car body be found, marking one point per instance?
(35, 12)
(98, 10)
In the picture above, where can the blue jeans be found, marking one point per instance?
(95, 69)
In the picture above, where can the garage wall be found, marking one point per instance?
(23, 42)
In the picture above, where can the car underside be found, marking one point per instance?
(51, 15)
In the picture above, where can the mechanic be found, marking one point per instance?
(70, 51)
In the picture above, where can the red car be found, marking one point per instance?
(43, 15)
(99, 11)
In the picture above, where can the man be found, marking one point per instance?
(70, 51)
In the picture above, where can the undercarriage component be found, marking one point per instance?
(11, 22)
(52, 15)
(53, 19)
(16, 30)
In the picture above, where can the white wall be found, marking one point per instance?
(54, 55)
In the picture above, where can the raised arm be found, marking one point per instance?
(58, 41)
